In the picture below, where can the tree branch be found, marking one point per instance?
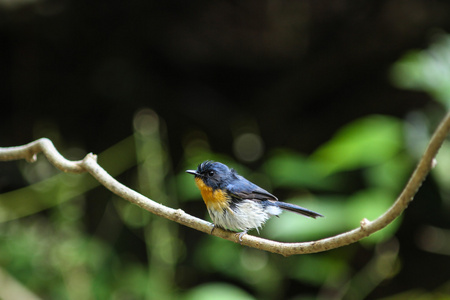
(366, 228)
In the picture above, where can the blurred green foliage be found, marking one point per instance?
(427, 70)
(54, 256)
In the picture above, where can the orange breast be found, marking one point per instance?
(217, 199)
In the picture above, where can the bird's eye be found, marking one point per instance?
(211, 173)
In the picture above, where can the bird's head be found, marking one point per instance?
(213, 174)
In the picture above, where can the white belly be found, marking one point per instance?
(247, 215)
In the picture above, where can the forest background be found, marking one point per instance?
(327, 104)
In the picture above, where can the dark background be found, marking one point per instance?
(78, 71)
(315, 64)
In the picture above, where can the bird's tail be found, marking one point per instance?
(297, 209)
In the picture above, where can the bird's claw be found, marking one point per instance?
(241, 234)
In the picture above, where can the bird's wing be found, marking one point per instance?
(245, 189)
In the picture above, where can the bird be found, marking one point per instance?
(235, 203)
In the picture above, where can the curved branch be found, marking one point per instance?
(44, 145)
(89, 164)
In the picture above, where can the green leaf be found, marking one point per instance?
(426, 70)
(362, 143)
(293, 170)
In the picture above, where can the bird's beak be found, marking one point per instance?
(193, 172)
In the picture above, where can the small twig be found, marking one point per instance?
(366, 228)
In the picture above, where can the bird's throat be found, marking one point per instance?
(216, 199)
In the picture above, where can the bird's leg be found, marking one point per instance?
(214, 227)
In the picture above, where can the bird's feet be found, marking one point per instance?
(241, 234)
(212, 230)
